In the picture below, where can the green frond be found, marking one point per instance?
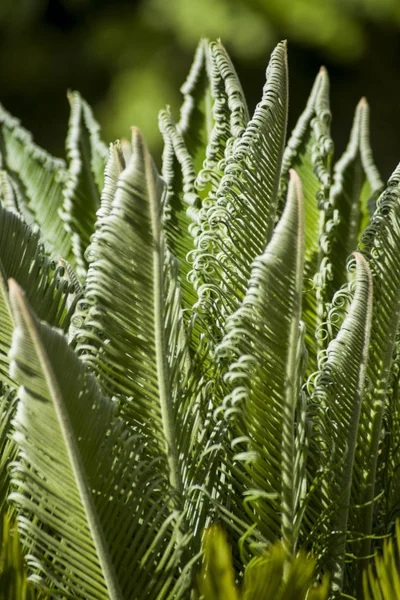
(389, 463)
(262, 342)
(116, 163)
(22, 258)
(196, 115)
(8, 449)
(95, 523)
(133, 336)
(229, 119)
(238, 111)
(339, 392)
(309, 152)
(123, 336)
(353, 195)
(9, 195)
(181, 203)
(114, 167)
(238, 223)
(38, 179)
(87, 159)
(212, 85)
(380, 244)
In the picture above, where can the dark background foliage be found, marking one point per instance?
(128, 59)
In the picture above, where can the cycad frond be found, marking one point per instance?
(86, 518)
(338, 397)
(181, 204)
(14, 583)
(87, 157)
(215, 104)
(380, 244)
(196, 118)
(309, 152)
(22, 258)
(8, 448)
(125, 295)
(262, 344)
(229, 119)
(38, 179)
(238, 218)
(356, 186)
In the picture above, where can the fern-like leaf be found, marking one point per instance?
(96, 523)
(87, 157)
(264, 335)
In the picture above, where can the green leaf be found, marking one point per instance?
(133, 337)
(263, 338)
(380, 244)
(93, 515)
(115, 164)
(10, 198)
(338, 395)
(22, 258)
(196, 118)
(309, 152)
(212, 82)
(40, 179)
(87, 158)
(181, 205)
(387, 474)
(123, 336)
(356, 186)
(8, 405)
(238, 223)
(229, 118)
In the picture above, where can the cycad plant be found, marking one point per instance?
(218, 344)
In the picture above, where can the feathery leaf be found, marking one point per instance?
(238, 223)
(87, 157)
(88, 503)
(356, 186)
(263, 336)
(39, 179)
(309, 151)
(339, 391)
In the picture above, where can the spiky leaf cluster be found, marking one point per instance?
(218, 342)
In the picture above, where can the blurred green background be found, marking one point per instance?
(128, 59)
